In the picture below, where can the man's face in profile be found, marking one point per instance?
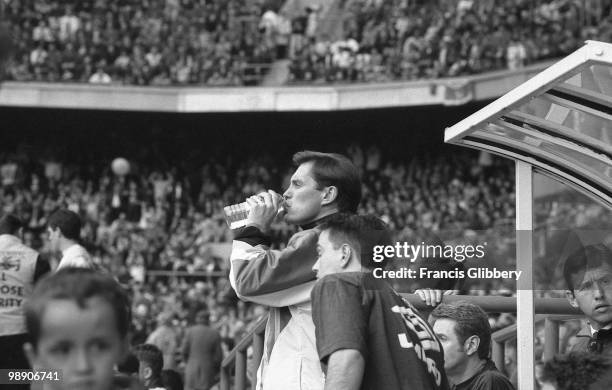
(455, 357)
(303, 197)
(329, 256)
(593, 295)
(54, 236)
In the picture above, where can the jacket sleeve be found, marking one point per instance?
(272, 277)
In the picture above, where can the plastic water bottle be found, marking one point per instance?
(236, 215)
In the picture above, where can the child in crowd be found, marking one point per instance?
(78, 324)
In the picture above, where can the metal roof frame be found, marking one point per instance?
(583, 161)
(558, 123)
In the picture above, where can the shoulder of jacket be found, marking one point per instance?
(306, 234)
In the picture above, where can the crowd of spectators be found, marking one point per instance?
(166, 220)
(420, 39)
(225, 43)
(162, 220)
(144, 42)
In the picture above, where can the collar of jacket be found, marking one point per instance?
(317, 222)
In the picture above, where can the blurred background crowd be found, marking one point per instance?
(171, 220)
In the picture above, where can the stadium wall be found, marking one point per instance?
(448, 92)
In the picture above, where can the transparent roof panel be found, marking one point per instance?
(569, 118)
(593, 77)
(544, 147)
(560, 121)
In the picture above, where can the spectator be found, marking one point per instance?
(202, 354)
(64, 228)
(23, 267)
(150, 363)
(69, 24)
(588, 274)
(100, 77)
(465, 334)
(90, 313)
(516, 54)
(164, 338)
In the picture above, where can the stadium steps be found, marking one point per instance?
(277, 75)
(330, 14)
(296, 7)
(331, 24)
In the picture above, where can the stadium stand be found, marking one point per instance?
(218, 43)
(409, 40)
(138, 42)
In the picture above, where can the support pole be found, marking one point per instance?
(524, 262)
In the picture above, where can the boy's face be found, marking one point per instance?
(83, 343)
(593, 295)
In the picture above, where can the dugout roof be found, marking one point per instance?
(560, 121)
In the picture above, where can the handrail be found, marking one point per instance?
(557, 309)
(492, 304)
(551, 337)
(186, 273)
(238, 354)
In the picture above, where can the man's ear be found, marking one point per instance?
(147, 372)
(329, 194)
(571, 297)
(471, 344)
(30, 353)
(347, 252)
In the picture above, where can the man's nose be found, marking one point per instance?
(287, 194)
(599, 291)
(315, 267)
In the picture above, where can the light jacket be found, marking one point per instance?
(281, 280)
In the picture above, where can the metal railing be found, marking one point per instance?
(238, 355)
(550, 310)
(551, 337)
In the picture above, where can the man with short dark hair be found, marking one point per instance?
(202, 354)
(150, 365)
(465, 334)
(20, 268)
(64, 229)
(588, 275)
(368, 337)
(322, 185)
